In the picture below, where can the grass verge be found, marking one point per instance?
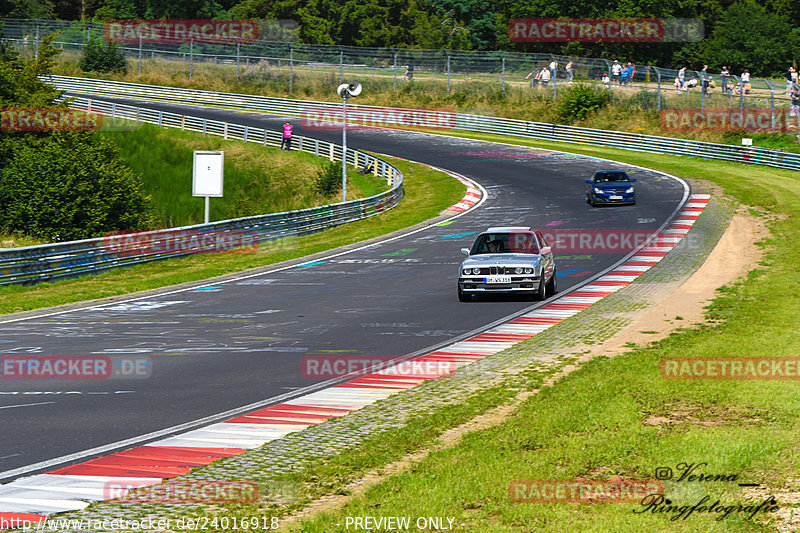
(618, 417)
(427, 193)
(258, 179)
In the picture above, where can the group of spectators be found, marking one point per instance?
(550, 72)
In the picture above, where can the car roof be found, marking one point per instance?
(507, 229)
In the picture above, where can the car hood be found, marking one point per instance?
(613, 185)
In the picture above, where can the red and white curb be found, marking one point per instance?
(75, 487)
(472, 197)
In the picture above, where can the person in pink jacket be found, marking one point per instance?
(286, 144)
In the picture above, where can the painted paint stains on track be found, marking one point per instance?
(75, 487)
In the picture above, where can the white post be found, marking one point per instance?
(208, 209)
(344, 149)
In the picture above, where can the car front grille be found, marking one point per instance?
(495, 270)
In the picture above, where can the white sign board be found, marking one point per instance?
(207, 173)
(747, 142)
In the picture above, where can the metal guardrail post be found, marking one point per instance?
(702, 91)
(503, 77)
(448, 72)
(140, 53)
(291, 67)
(341, 65)
(238, 52)
(191, 56)
(394, 67)
(771, 105)
(658, 79)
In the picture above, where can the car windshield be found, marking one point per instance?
(505, 243)
(610, 177)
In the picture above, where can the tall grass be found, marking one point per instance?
(258, 179)
(630, 110)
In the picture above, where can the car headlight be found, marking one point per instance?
(529, 270)
(476, 270)
(519, 270)
(630, 190)
(598, 191)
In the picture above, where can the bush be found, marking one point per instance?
(100, 57)
(329, 179)
(579, 100)
(646, 100)
(67, 186)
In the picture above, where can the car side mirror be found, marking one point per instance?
(465, 251)
(633, 179)
(547, 250)
(589, 181)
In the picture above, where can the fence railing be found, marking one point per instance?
(290, 63)
(461, 121)
(33, 264)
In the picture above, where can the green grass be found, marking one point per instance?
(258, 179)
(618, 417)
(427, 193)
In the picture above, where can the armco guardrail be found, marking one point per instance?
(476, 123)
(33, 264)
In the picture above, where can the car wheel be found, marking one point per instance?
(463, 296)
(552, 288)
(592, 202)
(541, 294)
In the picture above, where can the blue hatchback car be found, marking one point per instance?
(610, 187)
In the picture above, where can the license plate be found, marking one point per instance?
(615, 197)
(497, 279)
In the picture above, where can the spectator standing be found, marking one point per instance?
(286, 143)
(535, 80)
(606, 81)
(795, 95)
(616, 72)
(704, 79)
(570, 73)
(724, 74)
(409, 74)
(632, 67)
(623, 79)
(682, 76)
(746, 81)
(553, 69)
(789, 74)
(544, 75)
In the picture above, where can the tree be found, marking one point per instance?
(102, 57)
(27, 9)
(69, 185)
(749, 37)
(59, 185)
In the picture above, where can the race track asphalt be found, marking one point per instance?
(230, 344)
